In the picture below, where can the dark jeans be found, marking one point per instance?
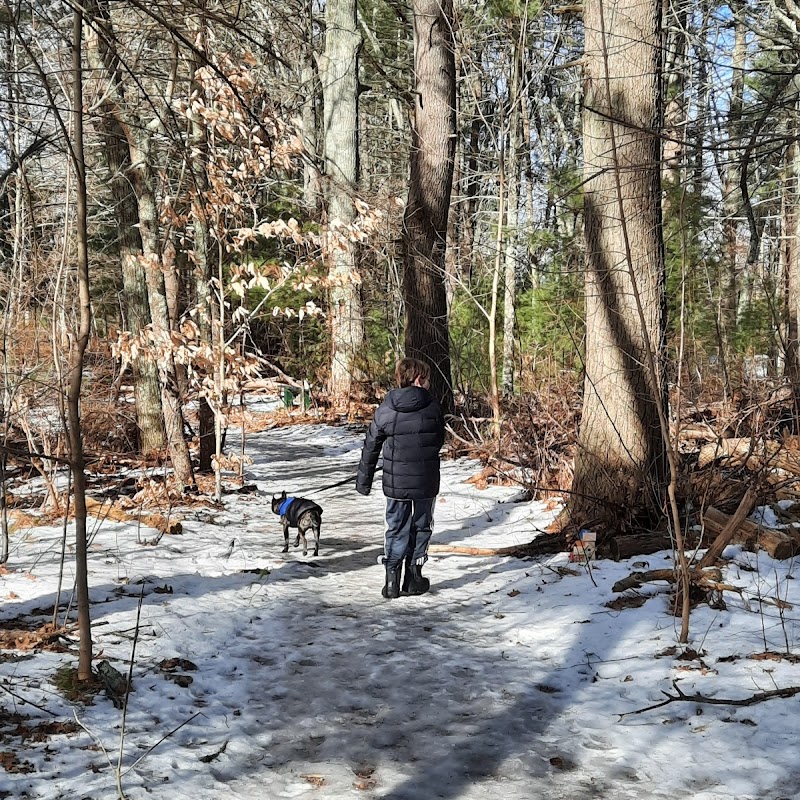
(409, 526)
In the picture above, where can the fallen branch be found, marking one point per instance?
(162, 739)
(759, 697)
(699, 431)
(24, 701)
(779, 544)
(753, 455)
(474, 551)
(709, 578)
(726, 534)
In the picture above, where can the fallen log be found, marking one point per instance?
(544, 545)
(753, 455)
(462, 550)
(262, 385)
(617, 548)
(105, 510)
(778, 543)
(707, 578)
(700, 431)
(726, 534)
(631, 545)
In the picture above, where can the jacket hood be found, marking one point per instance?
(409, 399)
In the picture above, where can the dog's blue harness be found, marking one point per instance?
(285, 505)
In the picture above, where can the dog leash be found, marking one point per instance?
(348, 479)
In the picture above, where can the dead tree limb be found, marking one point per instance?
(780, 544)
(759, 697)
(726, 534)
(696, 576)
(462, 550)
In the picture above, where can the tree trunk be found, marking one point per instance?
(790, 249)
(471, 178)
(78, 342)
(529, 184)
(494, 390)
(202, 265)
(452, 254)
(312, 191)
(340, 97)
(619, 467)
(142, 179)
(675, 73)
(735, 249)
(103, 59)
(134, 287)
(511, 223)
(433, 141)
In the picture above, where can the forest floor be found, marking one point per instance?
(512, 679)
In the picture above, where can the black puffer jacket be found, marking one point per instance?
(409, 427)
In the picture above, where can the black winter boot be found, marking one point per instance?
(391, 590)
(418, 584)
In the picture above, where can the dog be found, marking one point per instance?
(297, 512)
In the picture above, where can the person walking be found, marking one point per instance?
(408, 429)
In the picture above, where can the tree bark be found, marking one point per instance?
(312, 189)
(471, 177)
(340, 98)
(620, 464)
(512, 221)
(137, 134)
(779, 544)
(433, 141)
(494, 389)
(200, 252)
(790, 248)
(735, 249)
(142, 179)
(78, 343)
(104, 60)
(675, 72)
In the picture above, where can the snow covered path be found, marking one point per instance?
(405, 697)
(505, 682)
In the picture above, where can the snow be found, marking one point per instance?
(507, 681)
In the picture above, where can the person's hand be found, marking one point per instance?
(365, 490)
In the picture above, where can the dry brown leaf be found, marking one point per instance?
(10, 763)
(46, 638)
(626, 601)
(771, 655)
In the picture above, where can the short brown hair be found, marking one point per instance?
(407, 370)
